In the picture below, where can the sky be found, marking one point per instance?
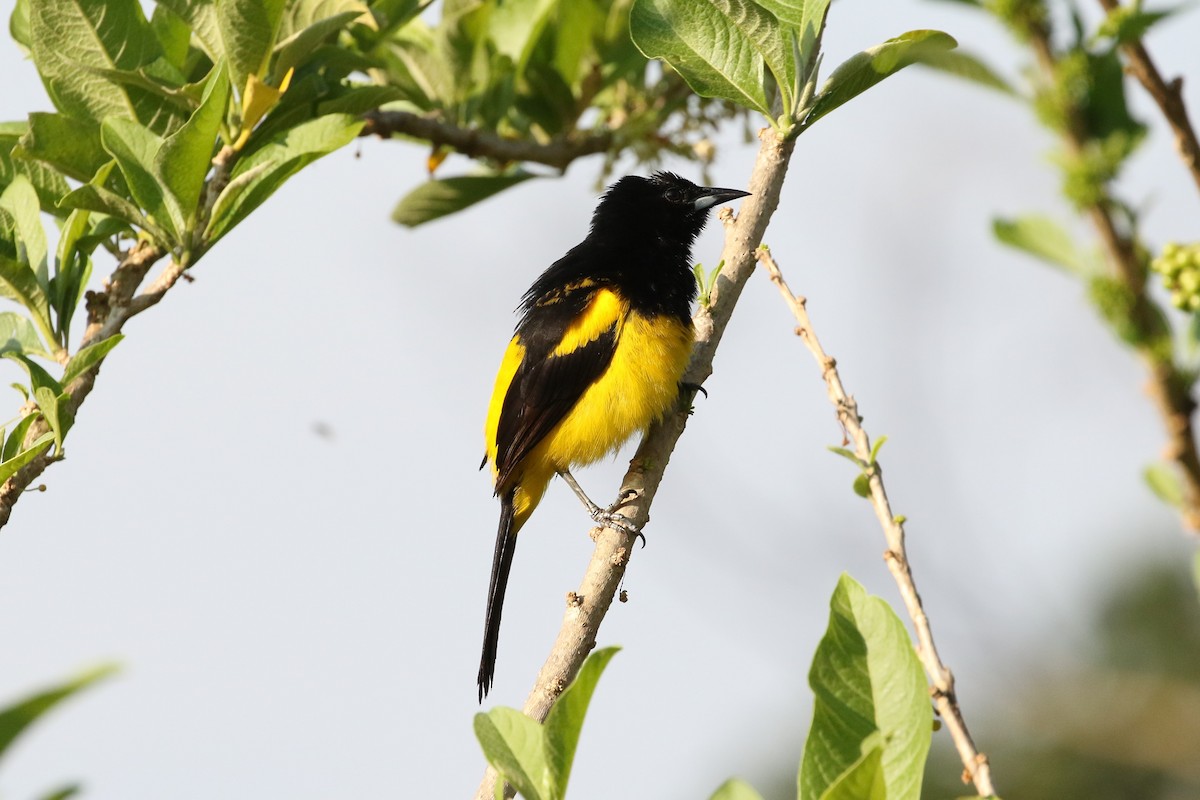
(270, 514)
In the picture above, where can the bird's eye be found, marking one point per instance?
(673, 195)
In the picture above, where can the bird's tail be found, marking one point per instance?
(506, 545)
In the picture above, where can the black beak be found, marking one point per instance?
(712, 196)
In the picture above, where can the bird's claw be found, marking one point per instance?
(617, 521)
(614, 520)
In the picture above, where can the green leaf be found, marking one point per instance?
(37, 374)
(1165, 484)
(875, 448)
(248, 29)
(303, 14)
(258, 175)
(75, 41)
(514, 745)
(1127, 23)
(536, 759)
(18, 335)
(968, 67)
(97, 198)
(863, 70)
(439, 198)
(72, 146)
(565, 720)
(573, 32)
(17, 717)
(18, 25)
(17, 282)
(359, 99)
(862, 485)
(21, 200)
(1043, 238)
(161, 80)
(89, 357)
(870, 693)
(714, 56)
(847, 454)
(63, 792)
(807, 18)
(72, 270)
(55, 412)
(201, 17)
(173, 34)
(735, 789)
(391, 14)
(15, 442)
(49, 184)
(296, 48)
(7, 469)
(863, 780)
(136, 149)
(186, 155)
(1104, 107)
(516, 26)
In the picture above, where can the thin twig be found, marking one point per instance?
(587, 605)
(896, 556)
(1168, 96)
(558, 152)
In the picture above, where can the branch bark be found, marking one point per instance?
(1168, 96)
(587, 606)
(941, 679)
(558, 152)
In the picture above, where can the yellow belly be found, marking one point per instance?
(639, 387)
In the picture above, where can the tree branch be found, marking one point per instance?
(1168, 96)
(559, 152)
(944, 697)
(107, 312)
(1170, 386)
(587, 606)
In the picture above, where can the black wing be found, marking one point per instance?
(547, 386)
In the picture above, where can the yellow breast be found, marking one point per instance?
(639, 387)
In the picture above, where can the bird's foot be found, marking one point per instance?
(613, 519)
(608, 517)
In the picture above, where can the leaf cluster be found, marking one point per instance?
(547, 72)
(766, 55)
(168, 131)
(870, 734)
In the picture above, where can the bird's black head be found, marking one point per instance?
(663, 207)
(640, 241)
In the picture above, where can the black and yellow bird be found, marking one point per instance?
(602, 343)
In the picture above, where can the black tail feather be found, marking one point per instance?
(506, 545)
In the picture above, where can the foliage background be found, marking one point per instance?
(270, 511)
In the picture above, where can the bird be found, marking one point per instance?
(601, 344)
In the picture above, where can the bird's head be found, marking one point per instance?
(664, 206)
